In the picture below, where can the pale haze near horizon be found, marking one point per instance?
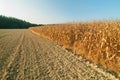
(60, 11)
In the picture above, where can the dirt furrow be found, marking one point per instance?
(7, 50)
(12, 58)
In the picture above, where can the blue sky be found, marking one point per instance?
(60, 11)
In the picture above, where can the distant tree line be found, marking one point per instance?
(14, 23)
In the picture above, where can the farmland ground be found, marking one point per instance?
(25, 56)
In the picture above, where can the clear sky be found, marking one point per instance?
(60, 11)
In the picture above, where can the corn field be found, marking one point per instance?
(97, 41)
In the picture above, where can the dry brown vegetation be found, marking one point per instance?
(96, 41)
